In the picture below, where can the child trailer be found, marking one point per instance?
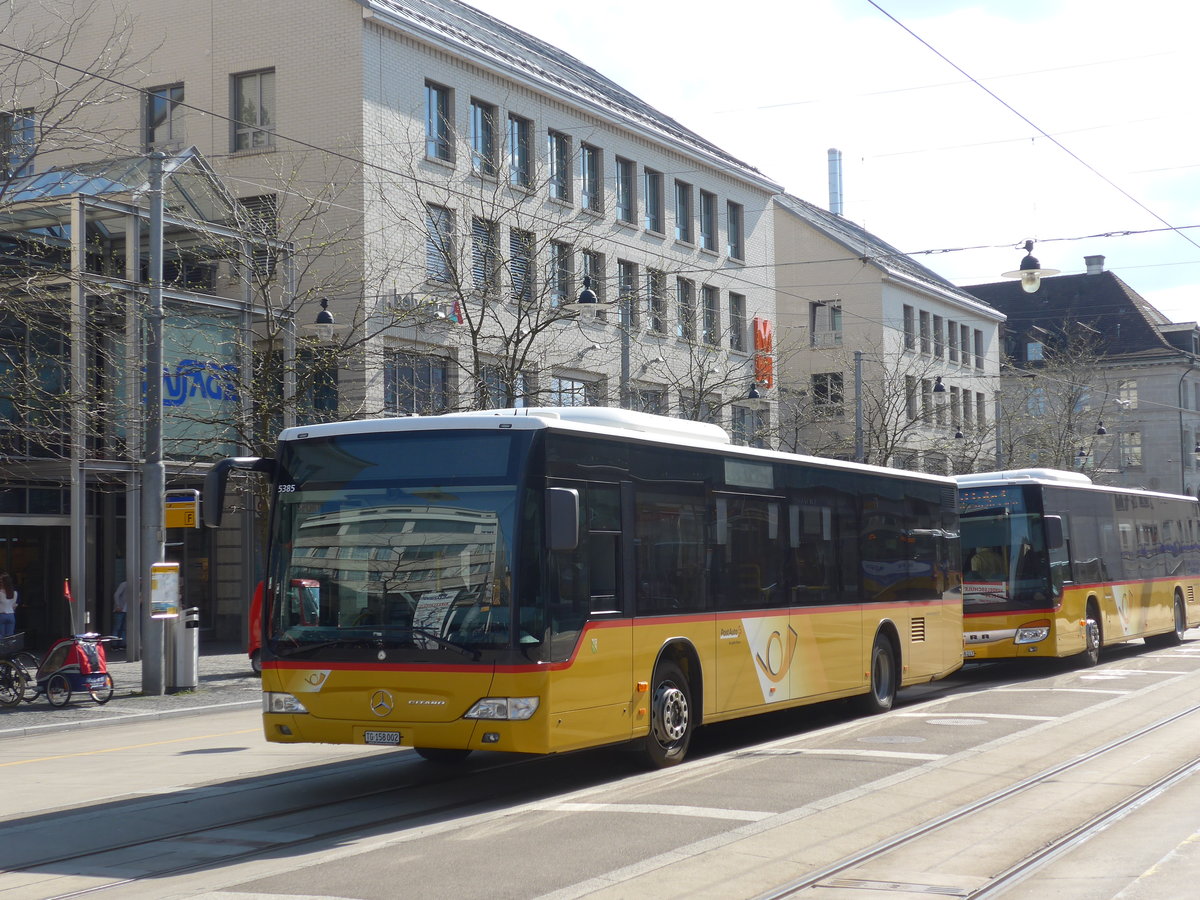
(73, 665)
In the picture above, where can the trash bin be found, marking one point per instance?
(183, 674)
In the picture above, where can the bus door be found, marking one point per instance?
(756, 647)
(591, 637)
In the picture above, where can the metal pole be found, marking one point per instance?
(860, 453)
(77, 563)
(624, 326)
(999, 438)
(154, 480)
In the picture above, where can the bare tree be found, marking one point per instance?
(1052, 409)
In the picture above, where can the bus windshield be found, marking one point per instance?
(1005, 564)
(396, 545)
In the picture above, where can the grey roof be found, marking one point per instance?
(487, 38)
(1127, 322)
(876, 251)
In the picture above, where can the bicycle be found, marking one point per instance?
(14, 683)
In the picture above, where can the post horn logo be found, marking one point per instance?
(778, 657)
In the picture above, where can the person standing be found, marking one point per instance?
(119, 607)
(8, 605)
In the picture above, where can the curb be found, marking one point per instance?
(125, 718)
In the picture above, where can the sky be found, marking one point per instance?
(1088, 142)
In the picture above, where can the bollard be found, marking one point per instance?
(184, 674)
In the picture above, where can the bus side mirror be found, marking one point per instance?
(1054, 532)
(214, 484)
(562, 518)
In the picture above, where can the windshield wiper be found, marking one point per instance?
(436, 638)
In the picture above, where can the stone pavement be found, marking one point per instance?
(225, 680)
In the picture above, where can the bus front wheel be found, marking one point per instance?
(442, 756)
(671, 721)
(1093, 637)
(881, 693)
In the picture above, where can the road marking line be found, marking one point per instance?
(972, 715)
(661, 809)
(887, 754)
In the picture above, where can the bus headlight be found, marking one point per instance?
(503, 708)
(281, 703)
(1033, 632)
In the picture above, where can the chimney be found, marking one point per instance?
(1095, 264)
(835, 181)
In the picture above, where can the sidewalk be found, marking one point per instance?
(225, 680)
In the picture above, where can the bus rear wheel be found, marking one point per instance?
(1174, 637)
(671, 721)
(881, 693)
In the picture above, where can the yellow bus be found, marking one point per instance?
(545, 580)
(1054, 565)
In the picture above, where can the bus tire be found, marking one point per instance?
(671, 720)
(442, 755)
(1174, 637)
(1093, 636)
(881, 692)
(256, 662)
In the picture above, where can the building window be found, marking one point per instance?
(910, 398)
(656, 301)
(520, 172)
(654, 201)
(501, 389)
(573, 392)
(708, 221)
(1127, 394)
(927, 400)
(591, 178)
(978, 349)
(562, 273)
(485, 255)
(939, 342)
(736, 225)
(260, 217)
(981, 410)
(737, 322)
(164, 117)
(828, 394)
(910, 328)
(825, 323)
(683, 212)
(964, 333)
(254, 103)
(627, 284)
(698, 409)
(483, 138)
(626, 191)
(956, 397)
(18, 142)
(925, 342)
(593, 267)
(560, 166)
(952, 339)
(439, 123)
(649, 400)
(967, 411)
(520, 264)
(685, 297)
(439, 243)
(416, 384)
(711, 299)
(749, 427)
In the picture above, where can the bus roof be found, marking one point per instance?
(622, 423)
(1055, 477)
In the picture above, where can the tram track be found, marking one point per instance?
(832, 875)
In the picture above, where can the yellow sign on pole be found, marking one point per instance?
(182, 509)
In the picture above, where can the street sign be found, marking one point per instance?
(182, 509)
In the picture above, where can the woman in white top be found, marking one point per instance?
(8, 605)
